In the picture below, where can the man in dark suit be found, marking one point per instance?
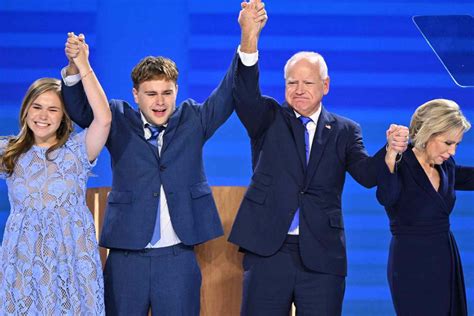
(290, 223)
(160, 204)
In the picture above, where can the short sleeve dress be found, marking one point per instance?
(50, 263)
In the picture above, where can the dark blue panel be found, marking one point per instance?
(12, 93)
(200, 92)
(47, 22)
(362, 61)
(21, 57)
(410, 2)
(304, 25)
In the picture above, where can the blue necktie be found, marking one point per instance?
(304, 120)
(155, 132)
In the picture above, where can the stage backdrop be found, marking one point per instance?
(380, 67)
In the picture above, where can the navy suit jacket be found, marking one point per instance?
(138, 171)
(282, 181)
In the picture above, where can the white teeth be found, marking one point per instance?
(42, 124)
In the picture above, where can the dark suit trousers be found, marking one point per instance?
(167, 279)
(272, 283)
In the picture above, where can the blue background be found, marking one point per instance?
(381, 69)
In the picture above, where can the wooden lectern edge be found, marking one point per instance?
(219, 260)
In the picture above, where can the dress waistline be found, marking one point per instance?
(420, 228)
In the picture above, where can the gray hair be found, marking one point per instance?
(436, 117)
(312, 57)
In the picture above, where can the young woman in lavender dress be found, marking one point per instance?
(49, 260)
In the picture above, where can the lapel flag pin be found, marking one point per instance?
(328, 126)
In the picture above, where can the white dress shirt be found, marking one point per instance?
(168, 236)
(311, 127)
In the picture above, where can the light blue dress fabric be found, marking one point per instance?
(50, 263)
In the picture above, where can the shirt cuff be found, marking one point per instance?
(248, 59)
(70, 80)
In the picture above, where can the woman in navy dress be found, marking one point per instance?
(418, 193)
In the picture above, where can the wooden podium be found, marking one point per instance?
(220, 261)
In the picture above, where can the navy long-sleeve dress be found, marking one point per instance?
(424, 267)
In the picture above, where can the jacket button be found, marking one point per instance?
(162, 168)
(302, 192)
(156, 194)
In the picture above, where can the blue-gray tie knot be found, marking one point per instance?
(305, 120)
(155, 131)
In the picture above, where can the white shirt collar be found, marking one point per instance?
(315, 116)
(145, 122)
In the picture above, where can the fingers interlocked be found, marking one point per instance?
(397, 137)
(74, 45)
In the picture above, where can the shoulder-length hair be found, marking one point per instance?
(436, 117)
(23, 142)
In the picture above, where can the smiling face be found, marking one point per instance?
(441, 147)
(156, 99)
(304, 87)
(43, 118)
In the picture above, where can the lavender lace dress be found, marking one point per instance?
(49, 258)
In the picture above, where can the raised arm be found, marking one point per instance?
(78, 51)
(388, 186)
(75, 99)
(220, 104)
(388, 181)
(397, 140)
(252, 19)
(365, 169)
(255, 112)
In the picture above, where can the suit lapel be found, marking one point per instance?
(443, 182)
(135, 121)
(136, 124)
(297, 131)
(171, 128)
(324, 129)
(420, 177)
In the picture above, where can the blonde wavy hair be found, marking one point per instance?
(436, 117)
